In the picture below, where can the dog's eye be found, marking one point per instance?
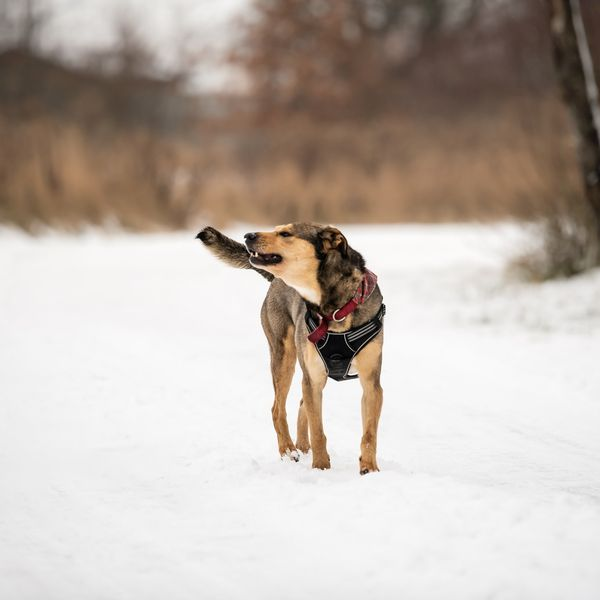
(285, 234)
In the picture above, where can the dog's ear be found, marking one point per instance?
(332, 239)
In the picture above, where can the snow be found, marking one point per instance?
(138, 458)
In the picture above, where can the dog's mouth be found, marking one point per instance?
(259, 259)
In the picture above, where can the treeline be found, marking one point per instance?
(371, 110)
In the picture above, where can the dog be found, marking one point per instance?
(324, 309)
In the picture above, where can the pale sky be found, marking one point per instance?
(87, 24)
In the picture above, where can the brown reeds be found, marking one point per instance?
(513, 163)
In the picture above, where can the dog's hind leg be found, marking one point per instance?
(283, 362)
(302, 439)
(368, 363)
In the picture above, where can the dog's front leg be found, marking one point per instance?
(283, 361)
(313, 381)
(312, 395)
(368, 363)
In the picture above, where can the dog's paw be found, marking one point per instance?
(292, 455)
(367, 466)
(208, 236)
(321, 462)
(365, 471)
(289, 452)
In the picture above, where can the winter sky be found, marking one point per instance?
(88, 24)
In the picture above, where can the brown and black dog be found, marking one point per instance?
(311, 267)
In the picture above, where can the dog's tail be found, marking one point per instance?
(228, 250)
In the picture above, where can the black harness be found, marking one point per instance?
(338, 349)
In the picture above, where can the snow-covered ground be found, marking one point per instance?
(138, 460)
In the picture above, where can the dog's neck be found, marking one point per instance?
(332, 284)
(311, 294)
(303, 278)
(339, 279)
(339, 293)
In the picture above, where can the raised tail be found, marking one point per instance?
(228, 250)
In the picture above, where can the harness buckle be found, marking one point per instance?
(333, 316)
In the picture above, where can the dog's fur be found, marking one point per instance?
(319, 269)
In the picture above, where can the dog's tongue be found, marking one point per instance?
(271, 258)
(266, 258)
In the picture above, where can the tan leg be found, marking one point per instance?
(313, 381)
(368, 363)
(313, 400)
(302, 439)
(283, 362)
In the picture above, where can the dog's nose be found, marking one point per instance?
(249, 237)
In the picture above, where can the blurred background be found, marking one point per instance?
(167, 114)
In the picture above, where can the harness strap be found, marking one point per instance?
(338, 350)
(365, 289)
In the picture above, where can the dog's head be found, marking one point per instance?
(302, 254)
(282, 249)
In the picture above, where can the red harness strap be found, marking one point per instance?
(365, 289)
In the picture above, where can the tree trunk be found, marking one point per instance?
(577, 81)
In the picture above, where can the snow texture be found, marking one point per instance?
(138, 458)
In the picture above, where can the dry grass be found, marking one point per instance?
(57, 174)
(473, 167)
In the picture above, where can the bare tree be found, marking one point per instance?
(132, 54)
(22, 23)
(576, 78)
(336, 58)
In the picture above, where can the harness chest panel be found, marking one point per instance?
(338, 349)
